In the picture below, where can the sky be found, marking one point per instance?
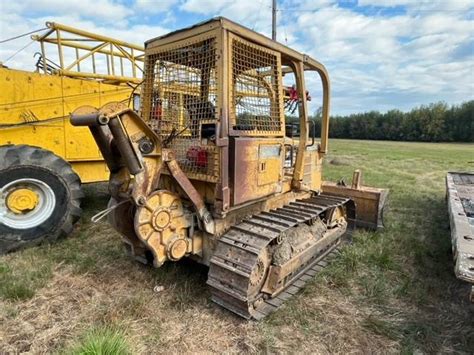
(380, 54)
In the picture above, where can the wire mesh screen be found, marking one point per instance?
(183, 105)
(255, 89)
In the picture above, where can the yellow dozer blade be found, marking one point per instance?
(369, 201)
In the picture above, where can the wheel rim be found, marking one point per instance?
(26, 203)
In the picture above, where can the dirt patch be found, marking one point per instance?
(297, 239)
(339, 161)
(43, 322)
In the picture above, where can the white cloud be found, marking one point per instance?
(345, 36)
(102, 10)
(154, 6)
(422, 5)
(204, 7)
(251, 13)
(372, 57)
(391, 3)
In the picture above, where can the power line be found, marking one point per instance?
(19, 36)
(23, 35)
(18, 51)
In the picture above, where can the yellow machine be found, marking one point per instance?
(43, 159)
(207, 174)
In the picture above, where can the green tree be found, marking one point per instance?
(436, 122)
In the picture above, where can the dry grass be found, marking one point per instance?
(389, 292)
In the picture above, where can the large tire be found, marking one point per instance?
(40, 197)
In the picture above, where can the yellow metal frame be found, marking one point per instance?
(66, 36)
(233, 92)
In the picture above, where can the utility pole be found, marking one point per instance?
(274, 20)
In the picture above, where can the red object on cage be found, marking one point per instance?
(157, 111)
(293, 93)
(197, 156)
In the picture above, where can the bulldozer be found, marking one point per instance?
(206, 172)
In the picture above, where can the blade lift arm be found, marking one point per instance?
(130, 147)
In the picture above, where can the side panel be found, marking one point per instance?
(312, 169)
(34, 110)
(91, 171)
(79, 143)
(255, 90)
(180, 99)
(26, 99)
(256, 170)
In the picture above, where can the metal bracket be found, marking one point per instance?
(183, 181)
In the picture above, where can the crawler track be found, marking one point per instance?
(232, 268)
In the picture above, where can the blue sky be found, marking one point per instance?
(381, 54)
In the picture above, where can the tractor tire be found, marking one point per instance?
(40, 197)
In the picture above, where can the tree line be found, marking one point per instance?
(436, 122)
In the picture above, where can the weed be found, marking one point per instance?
(101, 341)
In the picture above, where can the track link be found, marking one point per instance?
(237, 254)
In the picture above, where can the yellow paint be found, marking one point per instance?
(316, 170)
(21, 201)
(163, 227)
(178, 249)
(34, 98)
(259, 169)
(91, 171)
(162, 219)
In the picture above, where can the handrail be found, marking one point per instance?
(311, 64)
(123, 62)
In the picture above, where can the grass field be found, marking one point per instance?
(390, 292)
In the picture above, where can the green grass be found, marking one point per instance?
(413, 252)
(101, 341)
(389, 291)
(20, 280)
(407, 268)
(22, 273)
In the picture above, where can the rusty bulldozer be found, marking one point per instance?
(206, 172)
